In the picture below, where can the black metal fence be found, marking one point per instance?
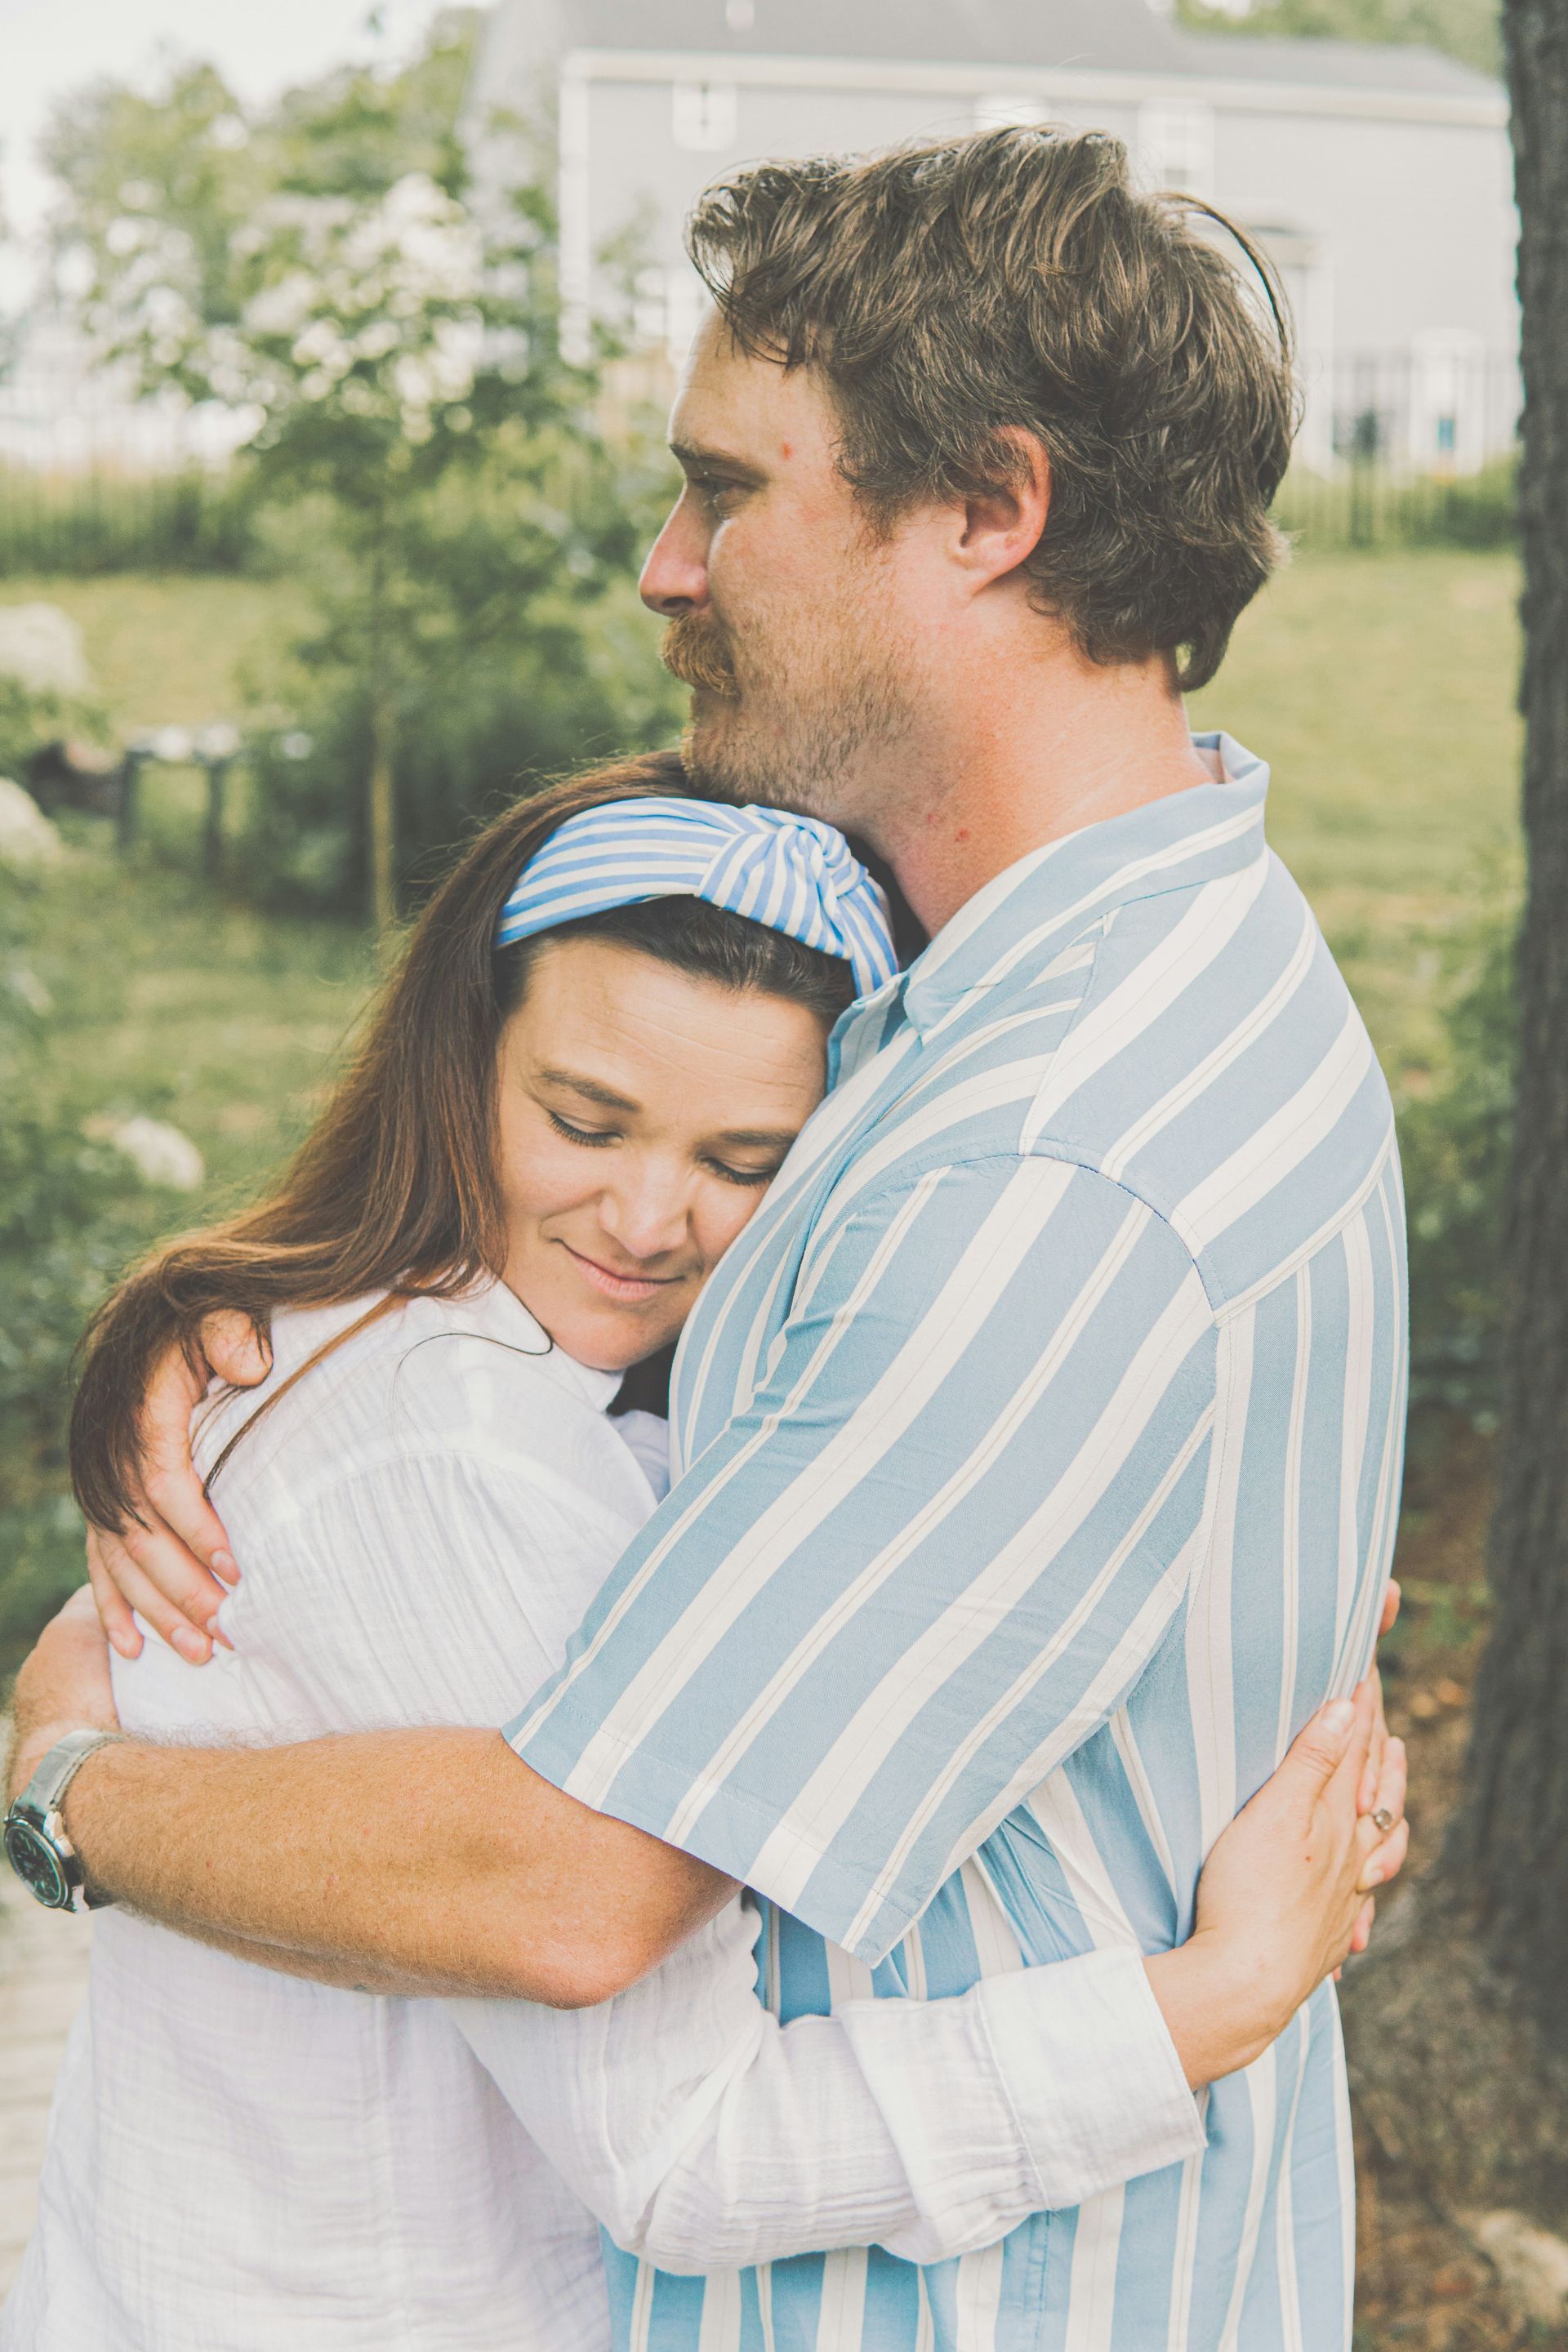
(1410, 448)
(1406, 448)
(101, 517)
(92, 480)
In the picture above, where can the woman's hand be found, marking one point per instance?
(175, 1567)
(1286, 1894)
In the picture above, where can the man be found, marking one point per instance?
(1042, 1433)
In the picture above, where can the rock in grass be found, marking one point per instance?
(1532, 2264)
(27, 839)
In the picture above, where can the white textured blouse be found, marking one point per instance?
(241, 2162)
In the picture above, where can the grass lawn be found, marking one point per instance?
(223, 1022)
(1382, 690)
(172, 651)
(1380, 687)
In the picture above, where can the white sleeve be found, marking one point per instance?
(703, 2134)
(706, 2137)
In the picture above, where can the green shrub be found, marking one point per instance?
(500, 718)
(1371, 506)
(71, 1213)
(1455, 1144)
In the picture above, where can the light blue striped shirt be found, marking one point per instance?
(1042, 1440)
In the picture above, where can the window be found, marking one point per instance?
(703, 115)
(1175, 146)
(667, 310)
(1448, 402)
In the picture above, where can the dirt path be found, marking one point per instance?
(43, 1973)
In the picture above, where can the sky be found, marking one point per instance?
(49, 48)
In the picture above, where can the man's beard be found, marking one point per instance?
(804, 753)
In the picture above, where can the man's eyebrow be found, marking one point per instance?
(590, 1088)
(695, 459)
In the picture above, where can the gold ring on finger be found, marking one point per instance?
(1382, 1821)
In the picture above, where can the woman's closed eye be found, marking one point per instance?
(757, 1177)
(593, 1136)
(598, 1137)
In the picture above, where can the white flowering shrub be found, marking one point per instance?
(429, 467)
(46, 687)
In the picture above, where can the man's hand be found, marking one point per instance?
(64, 1686)
(177, 1566)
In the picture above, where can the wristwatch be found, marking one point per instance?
(36, 1846)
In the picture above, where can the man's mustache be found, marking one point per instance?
(694, 652)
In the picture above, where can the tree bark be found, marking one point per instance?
(1509, 1847)
(1456, 2023)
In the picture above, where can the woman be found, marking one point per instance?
(609, 1027)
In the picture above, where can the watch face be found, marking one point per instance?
(37, 1864)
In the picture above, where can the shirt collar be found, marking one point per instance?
(499, 1314)
(1036, 908)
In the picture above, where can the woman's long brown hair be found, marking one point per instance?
(394, 1190)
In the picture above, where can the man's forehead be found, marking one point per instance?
(731, 403)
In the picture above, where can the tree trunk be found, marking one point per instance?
(1457, 2023)
(1510, 1847)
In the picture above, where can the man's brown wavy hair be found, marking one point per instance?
(954, 296)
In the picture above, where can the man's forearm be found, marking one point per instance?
(342, 1975)
(433, 1859)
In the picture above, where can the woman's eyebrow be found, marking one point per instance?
(605, 1097)
(759, 1139)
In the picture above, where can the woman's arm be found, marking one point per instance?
(933, 2127)
(705, 2136)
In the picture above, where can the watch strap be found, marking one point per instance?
(59, 1767)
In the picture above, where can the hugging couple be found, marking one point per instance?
(861, 1938)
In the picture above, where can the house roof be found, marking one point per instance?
(1084, 36)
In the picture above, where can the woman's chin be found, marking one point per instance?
(609, 1338)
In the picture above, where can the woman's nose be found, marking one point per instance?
(647, 1219)
(675, 577)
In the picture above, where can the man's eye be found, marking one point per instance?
(714, 491)
(592, 1136)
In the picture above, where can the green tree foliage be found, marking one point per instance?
(1455, 1142)
(1466, 30)
(436, 471)
(71, 1213)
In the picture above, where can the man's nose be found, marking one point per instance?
(675, 577)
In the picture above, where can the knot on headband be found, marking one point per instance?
(790, 873)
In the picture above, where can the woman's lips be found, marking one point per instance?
(629, 1290)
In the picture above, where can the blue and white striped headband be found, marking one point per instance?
(789, 873)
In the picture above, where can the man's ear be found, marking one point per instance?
(1003, 523)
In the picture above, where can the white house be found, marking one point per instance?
(1378, 178)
